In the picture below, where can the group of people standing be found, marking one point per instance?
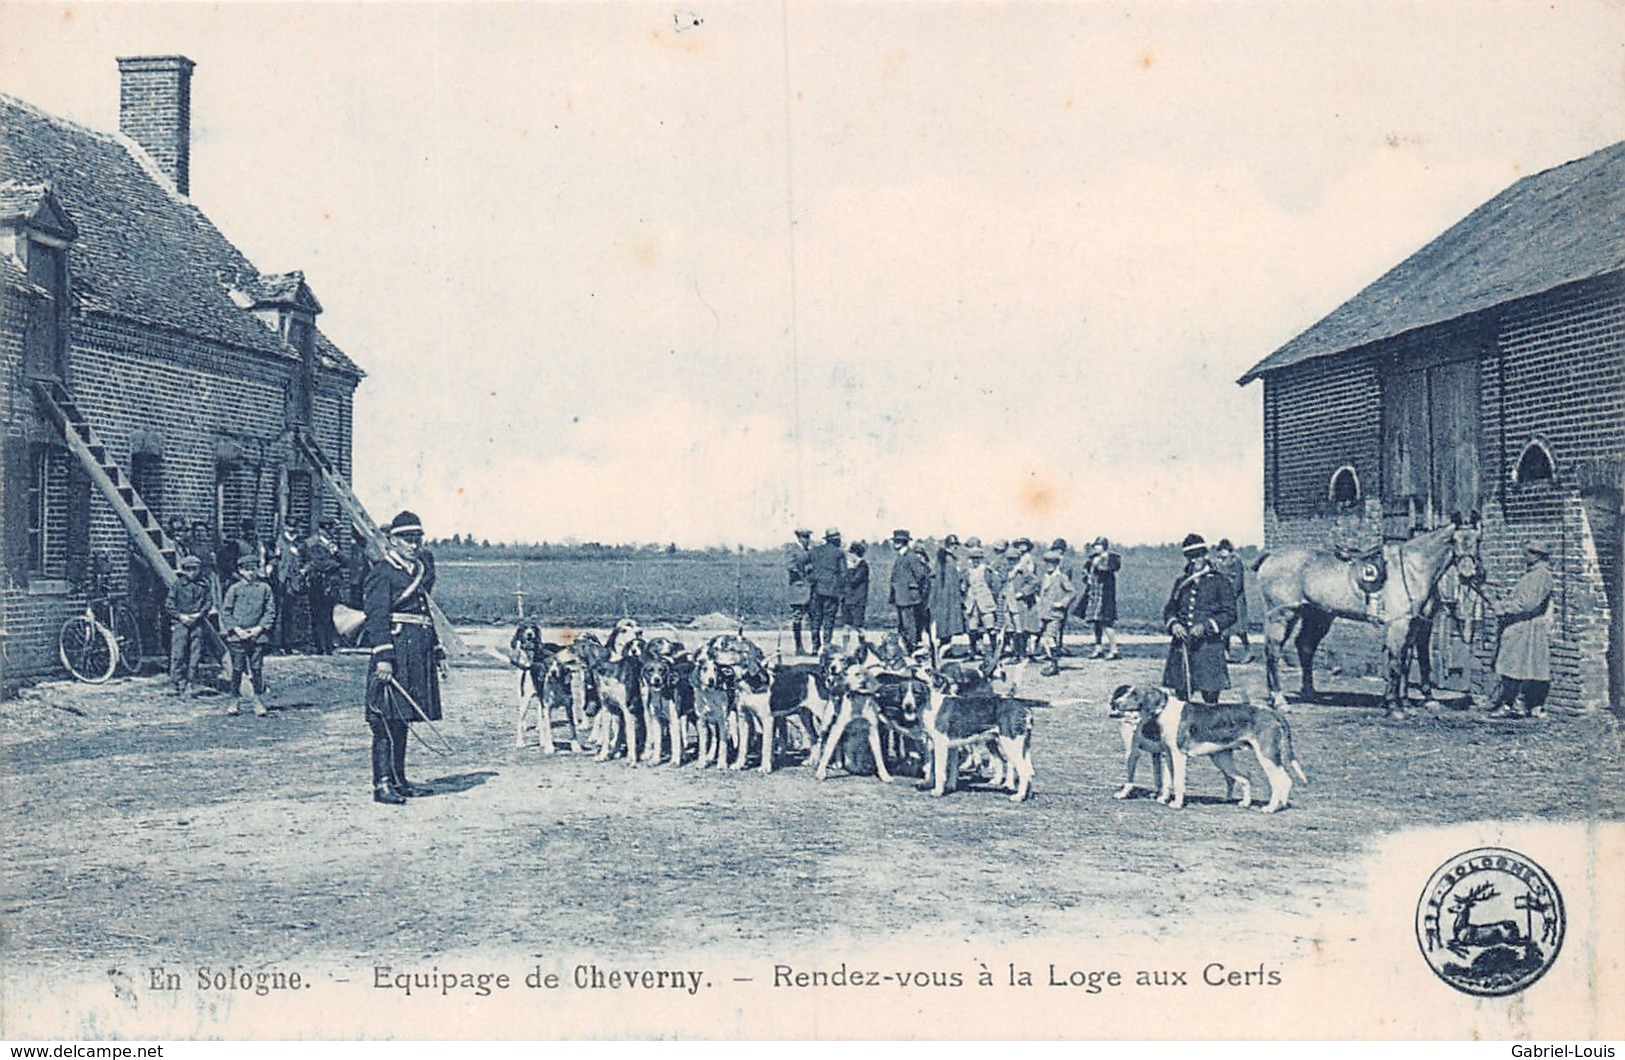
(244, 592)
(1003, 599)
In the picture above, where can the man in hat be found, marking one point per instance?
(947, 596)
(247, 614)
(1100, 597)
(1524, 660)
(977, 587)
(1227, 563)
(403, 678)
(200, 543)
(910, 589)
(826, 582)
(1199, 609)
(187, 607)
(322, 584)
(798, 567)
(855, 594)
(1022, 582)
(287, 570)
(1055, 595)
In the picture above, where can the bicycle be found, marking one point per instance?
(104, 638)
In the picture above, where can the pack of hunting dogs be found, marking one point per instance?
(865, 706)
(874, 706)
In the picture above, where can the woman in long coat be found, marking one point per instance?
(947, 594)
(1100, 597)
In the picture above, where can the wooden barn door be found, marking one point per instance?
(1430, 426)
(1430, 435)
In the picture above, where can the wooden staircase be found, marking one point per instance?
(153, 545)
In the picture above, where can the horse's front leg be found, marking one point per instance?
(1422, 640)
(1398, 649)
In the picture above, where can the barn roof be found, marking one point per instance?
(1552, 228)
(144, 252)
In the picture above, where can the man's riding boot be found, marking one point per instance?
(389, 796)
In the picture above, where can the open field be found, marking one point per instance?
(583, 589)
(145, 830)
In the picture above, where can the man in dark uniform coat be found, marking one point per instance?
(1199, 610)
(910, 589)
(403, 679)
(826, 578)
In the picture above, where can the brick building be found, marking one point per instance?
(1486, 372)
(147, 369)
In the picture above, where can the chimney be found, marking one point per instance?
(155, 110)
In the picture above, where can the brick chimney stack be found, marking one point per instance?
(155, 110)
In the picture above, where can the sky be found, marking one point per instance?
(702, 273)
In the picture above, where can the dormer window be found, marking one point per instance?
(36, 231)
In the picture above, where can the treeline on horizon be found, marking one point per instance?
(460, 546)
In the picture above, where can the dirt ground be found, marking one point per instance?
(139, 825)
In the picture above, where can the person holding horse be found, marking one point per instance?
(1524, 660)
(1199, 610)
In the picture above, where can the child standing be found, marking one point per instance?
(247, 614)
(186, 606)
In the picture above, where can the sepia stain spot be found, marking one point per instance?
(1038, 497)
(1147, 60)
(893, 63)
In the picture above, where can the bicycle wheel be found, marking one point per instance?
(127, 632)
(87, 649)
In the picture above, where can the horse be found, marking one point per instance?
(1305, 588)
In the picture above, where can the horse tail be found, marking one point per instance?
(1259, 562)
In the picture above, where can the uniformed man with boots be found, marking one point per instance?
(403, 678)
(1199, 609)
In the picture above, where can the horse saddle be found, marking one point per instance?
(1369, 568)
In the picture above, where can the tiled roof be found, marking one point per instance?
(1553, 228)
(144, 252)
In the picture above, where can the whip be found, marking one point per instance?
(398, 687)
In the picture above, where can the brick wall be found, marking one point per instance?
(1319, 417)
(200, 399)
(1556, 373)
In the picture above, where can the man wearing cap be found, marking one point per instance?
(287, 568)
(826, 581)
(910, 589)
(1199, 609)
(403, 678)
(1227, 563)
(1022, 582)
(947, 598)
(322, 584)
(1524, 659)
(798, 563)
(186, 605)
(247, 614)
(1100, 598)
(1054, 597)
(976, 588)
(855, 594)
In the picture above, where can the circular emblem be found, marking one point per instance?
(1490, 922)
